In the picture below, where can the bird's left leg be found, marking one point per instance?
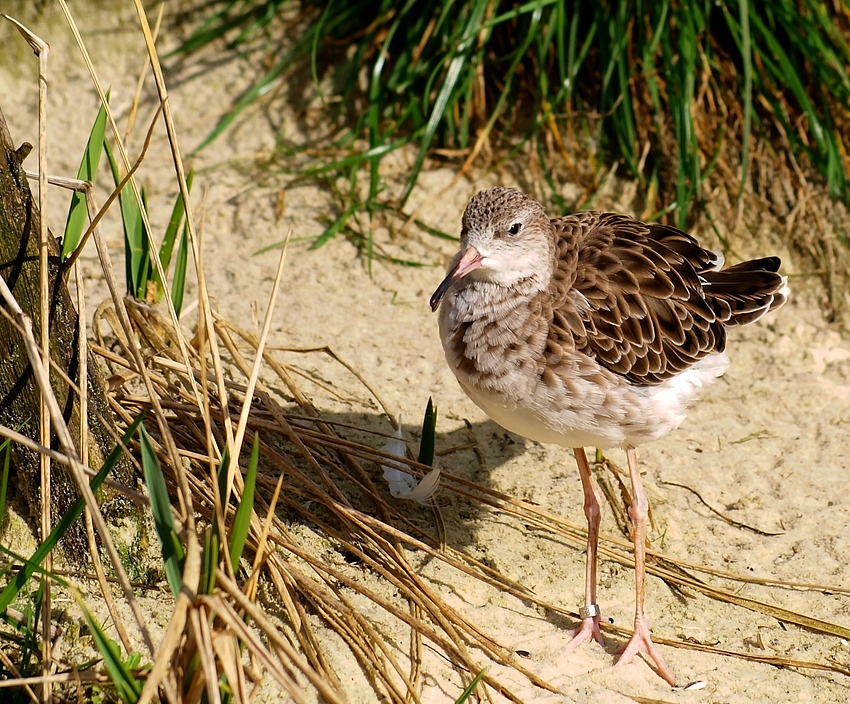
(641, 641)
(590, 614)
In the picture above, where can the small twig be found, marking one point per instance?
(255, 373)
(328, 350)
(72, 184)
(42, 51)
(730, 521)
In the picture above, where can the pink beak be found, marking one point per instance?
(470, 261)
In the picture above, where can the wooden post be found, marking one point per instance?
(19, 392)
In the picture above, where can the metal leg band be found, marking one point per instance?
(589, 611)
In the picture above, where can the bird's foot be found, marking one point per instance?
(641, 642)
(589, 627)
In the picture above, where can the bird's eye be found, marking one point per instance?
(515, 228)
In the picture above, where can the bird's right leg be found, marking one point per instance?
(590, 612)
(641, 640)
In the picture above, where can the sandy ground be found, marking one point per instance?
(766, 446)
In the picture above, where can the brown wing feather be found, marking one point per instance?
(645, 301)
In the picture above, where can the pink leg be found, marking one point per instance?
(590, 623)
(641, 641)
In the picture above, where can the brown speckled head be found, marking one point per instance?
(506, 237)
(497, 208)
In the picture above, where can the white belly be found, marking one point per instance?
(591, 416)
(558, 426)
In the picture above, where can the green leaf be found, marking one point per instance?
(209, 560)
(75, 225)
(429, 432)
(334, 229)
(222, 475)
(135, 243)
(178, 285)
(467, 693)
(168, 240)
(212, 541)
(141, 243)
(166, 528)
(129, 688)
(242, 520)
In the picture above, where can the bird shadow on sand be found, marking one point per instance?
(470, 453)
(473, 453)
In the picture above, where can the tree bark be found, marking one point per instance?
(19, 391)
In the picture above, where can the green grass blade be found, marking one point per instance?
(222, 473)
(135, 244)
(429, 432)
(181, 264)
(242, 520)
(75, 225)
(458, 61)
(314, 50)
(617, 82)
(128, 687)
(141, 242)
(335, 227)
(747, 56)
(677, 70)
(252, 19)
(353, 160)
(260, 88)
(467, 693)
(212, 540)
(216, 27)
(32, 567)
(374, 122)
(209, 560)
(166, 528)
(10, 593)
(435, 231)
(518, 56)
(170, 237)
(792, 77)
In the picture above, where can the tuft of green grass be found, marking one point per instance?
(142, 276)
(667, 89)
(25, 636)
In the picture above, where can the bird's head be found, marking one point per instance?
(506, 238)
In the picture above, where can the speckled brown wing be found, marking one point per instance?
(646, 301)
